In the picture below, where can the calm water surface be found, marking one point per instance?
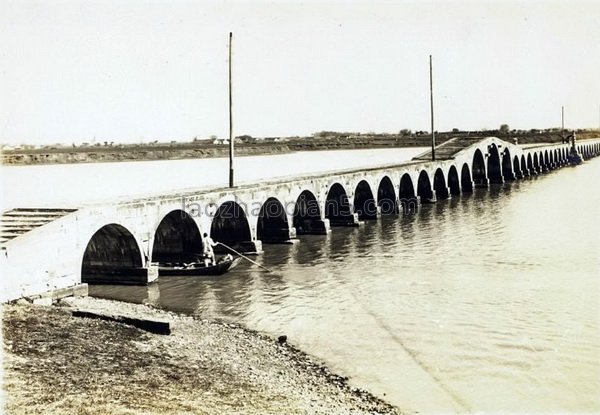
(75, 185)
(488, 302)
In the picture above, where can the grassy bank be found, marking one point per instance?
(55, 363)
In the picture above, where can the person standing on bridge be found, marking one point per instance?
(208, 253)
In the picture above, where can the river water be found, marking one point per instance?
(485, 302)
(76, 185)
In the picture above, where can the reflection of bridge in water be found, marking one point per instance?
(46, 250)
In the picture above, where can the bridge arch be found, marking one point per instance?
(364, 201)
(546, 160)
(508, 172)
(493, 165)
(306, 212)
(478, 169)
(272, 225)
(530, 166)
(230, 225)
(466, 182)
(517, 168)
(337, 206)
(177, 238)
(524, 169)
(439, 184)
(112, 250)
(453, 181)
(407, 194)
(424, 190)
(536, 163)
(386, 196)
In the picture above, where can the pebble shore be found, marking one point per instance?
(55, 363)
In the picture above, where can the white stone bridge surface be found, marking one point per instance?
(45, 250)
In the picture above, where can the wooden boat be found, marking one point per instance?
(198, 268)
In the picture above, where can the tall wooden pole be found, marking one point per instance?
(562, 128)
(230, 118)
(431, 100)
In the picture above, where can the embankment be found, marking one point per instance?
(55, 363)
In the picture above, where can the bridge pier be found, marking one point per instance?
(105, 274)
(481, 183)
(429, 200)
(443, 193)
(345, 221)
(279, 236)
(314, 227)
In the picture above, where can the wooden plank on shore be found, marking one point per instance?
(152, 326)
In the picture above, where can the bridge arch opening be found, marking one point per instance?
(530, 164)
(272, 225)
(478, 169)
(407, 195)
(517, 167)
(536, 163)
(386, 196)
(439, 184)
(424, 190)
(364, 201)
(545, 160)
(508, 172)
(453, 181)
(524, 165)
(337, 206)
(493, 165)
(307, 213)
(230, 225)
(177, 238)
(111, 251)
(466, 181)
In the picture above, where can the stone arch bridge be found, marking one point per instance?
(46, 249)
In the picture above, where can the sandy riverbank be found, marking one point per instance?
(58, 364)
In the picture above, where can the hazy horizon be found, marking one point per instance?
(131, 71)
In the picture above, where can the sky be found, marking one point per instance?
(132, 71)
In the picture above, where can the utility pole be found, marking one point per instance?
(431, 101)
(230, 118)
(562, 131)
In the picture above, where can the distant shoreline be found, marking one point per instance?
(200, 149)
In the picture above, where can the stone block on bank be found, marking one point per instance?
(152, 326)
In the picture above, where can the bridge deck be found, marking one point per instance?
(447, 150)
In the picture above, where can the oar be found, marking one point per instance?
(244, 256)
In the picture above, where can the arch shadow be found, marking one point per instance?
(113, 256)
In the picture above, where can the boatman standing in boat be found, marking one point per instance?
(207, 250)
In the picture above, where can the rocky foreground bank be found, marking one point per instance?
(55, 363)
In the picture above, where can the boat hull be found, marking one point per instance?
(218, 269)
